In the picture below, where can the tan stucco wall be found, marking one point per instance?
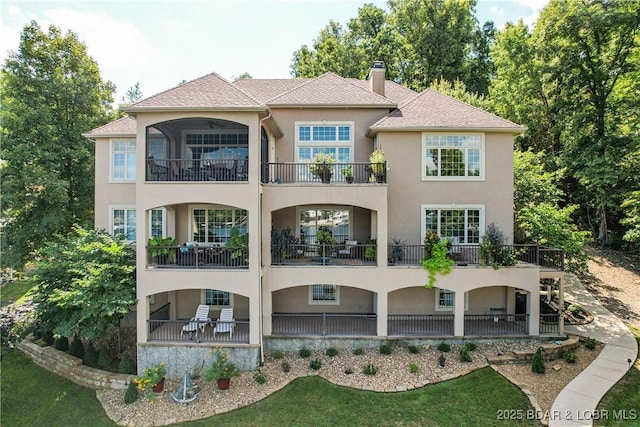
(415, 300)
(187, 302)
(294, 300)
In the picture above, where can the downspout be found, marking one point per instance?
(260, 334)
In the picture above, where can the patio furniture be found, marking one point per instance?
(349, 249)
(199, 321)
(225, 323)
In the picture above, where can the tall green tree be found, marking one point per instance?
(51, 93)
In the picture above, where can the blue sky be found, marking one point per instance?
(159, 43)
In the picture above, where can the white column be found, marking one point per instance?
(382, 313)
(458, 311)
(533, 308)
(561, 305)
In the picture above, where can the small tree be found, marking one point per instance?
(76, 348)
(537, 363)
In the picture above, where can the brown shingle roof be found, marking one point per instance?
(330, 90)
(395, 92)
(207, 92)
(433, 110)
(125, 126)
(265, 89)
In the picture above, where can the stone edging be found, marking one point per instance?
(71, 367)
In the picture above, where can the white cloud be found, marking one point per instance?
(535, 6)
(14, 10)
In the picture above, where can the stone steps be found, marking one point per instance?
(552, 351)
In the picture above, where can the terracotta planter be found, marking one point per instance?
(159, 387)
(223, 383)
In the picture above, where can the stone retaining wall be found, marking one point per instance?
(71, 367)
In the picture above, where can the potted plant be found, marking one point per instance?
(397, 250)
(325, 239)
(370, 252)
(151, 381)
(221, 369)
(160, 249)
(378, 165)
(238, 244)
(322, 166)
(347, 172)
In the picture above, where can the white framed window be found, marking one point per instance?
(157, 222)
(445, 300)
(157, 148)
(462, 224)
(216, 298)
(123, 221)
(452, 157)
(123, 160)
(334, 138)
(336, 220)
(213, 225)
(323, 294)
(216, 144)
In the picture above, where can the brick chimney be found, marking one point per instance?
(376, 78)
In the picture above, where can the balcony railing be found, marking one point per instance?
(200, 257)
(324, 254)
(323, 324)
(548, 258)
(496, 324)
(420, 324)
(172, 331)
(197, 170)
(337, 173)
(549, 323)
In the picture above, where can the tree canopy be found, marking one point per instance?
(51, 93)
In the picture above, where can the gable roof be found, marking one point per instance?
(393, 91)
(265, 89)
(210, 92)
(330, 90)
(125, 126)
(431, 110)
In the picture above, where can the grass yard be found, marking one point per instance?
(624, 397)
(33, 397)
(14, 291)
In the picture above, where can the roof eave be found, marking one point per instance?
(373, 130)
(134, 110)
(319, 106)
(93, 136)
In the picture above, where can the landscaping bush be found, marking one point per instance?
(285, 367)
(304, 353)
(537, 363)
(386, 349)
(570, 356)
(414, 368)
(444, 347)
(47, 338)
(413, 349)
(358, 351)
(331, 352)
(370, 369)
(61, 343)
(471, 346)
(76, 348)
(259, 377)
(441, 360)
(590, 343)
(277, 354)
(315, 364)
(104, 358)
(465, 356)
(90, 356)
(131, 394)
(127, 365)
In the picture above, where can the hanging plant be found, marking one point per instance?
(438, 262)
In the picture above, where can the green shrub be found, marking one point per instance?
(76, 348)
(444, 347)
(131, 394)
(441, 360)
(259, 377)
(413, 349)
(90, 356)
(414, 368)
(465, 356)
(285, 367)
(315, 364)
(370, 369)
(358, 351)
(47, 338)
(537, 363)
(570, 356)
(386, 349)
(471, 346)
(331, 352)
(104, 358)
(590, 343)
(277, 354)
(127, 365)
(304, 353)
(61, 343)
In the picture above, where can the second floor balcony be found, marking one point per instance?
(200, 170)
(335, 173)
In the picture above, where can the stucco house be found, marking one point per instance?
(334, 251)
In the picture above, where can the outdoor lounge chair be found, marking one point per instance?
(225, 323)
(199, 321)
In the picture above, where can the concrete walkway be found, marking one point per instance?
(577, 402)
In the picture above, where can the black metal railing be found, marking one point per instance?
(324, 254)
(549, 323)
(197, 170)
(197, 331)
(420, 324)
(342, 173)
(549, 258)
(323, 324)
(496, 324)
(197, 257)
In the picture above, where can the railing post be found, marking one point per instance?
(324, 324)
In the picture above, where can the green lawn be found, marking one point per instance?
(624, 397)
(14, 291)
(33, 397)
